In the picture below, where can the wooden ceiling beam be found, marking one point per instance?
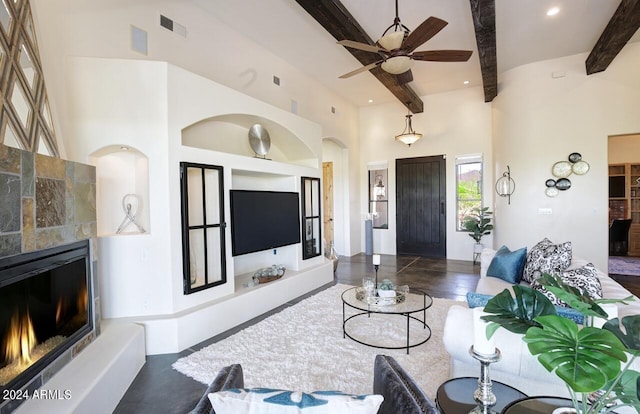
(622, 26)
(483, 13)
(336, 19)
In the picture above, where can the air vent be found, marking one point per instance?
(276, 80)
(173, 26)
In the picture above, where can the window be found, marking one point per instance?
(310, 217)
(203, 245)
(468, 186)
(378, 198)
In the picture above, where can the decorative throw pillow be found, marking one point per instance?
(271, 401)
(477, 300)
(584, 278)
(508, 265)
(546, 257)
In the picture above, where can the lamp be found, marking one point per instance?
(505, 186)
(408, 135)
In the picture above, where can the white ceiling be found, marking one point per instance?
(525, 34)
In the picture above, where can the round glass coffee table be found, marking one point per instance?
(408, 307)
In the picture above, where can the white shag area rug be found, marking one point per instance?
(301, 348)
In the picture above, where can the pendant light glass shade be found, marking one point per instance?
(408, 135)
(397, 65)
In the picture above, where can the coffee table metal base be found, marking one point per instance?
(408, 312)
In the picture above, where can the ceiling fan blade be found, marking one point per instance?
(405, 77)
(360, 70)
(443, 55)
(361, 46)
(422, 33)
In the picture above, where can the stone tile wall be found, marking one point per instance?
(44, 201)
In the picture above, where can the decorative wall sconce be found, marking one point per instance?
(408, 135)
(505, 186)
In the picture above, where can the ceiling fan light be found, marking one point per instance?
(392, 40)
(397, 65)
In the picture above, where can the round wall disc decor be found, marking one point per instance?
(550, 182)
(575, 157)
(551, 192)
(580, 167)
(561, 169)
(259, 139)
(563, 184)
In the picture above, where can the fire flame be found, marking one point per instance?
(82, 300)
(21, 339)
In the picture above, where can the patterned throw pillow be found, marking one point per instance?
(546, 257)
(272, 401)
(585, 279)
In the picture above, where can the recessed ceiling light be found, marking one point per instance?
(466, 82)
(370, 101)
(553, 11)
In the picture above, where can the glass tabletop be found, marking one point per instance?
(400, 304)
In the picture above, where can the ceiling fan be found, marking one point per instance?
(396, 48)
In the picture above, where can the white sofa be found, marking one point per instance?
(517, 368)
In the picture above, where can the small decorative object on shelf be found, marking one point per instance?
(131, 204)
(269, 274)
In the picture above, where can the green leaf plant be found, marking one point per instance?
(593, 362)
(478, 223)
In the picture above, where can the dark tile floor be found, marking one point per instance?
(158, 388)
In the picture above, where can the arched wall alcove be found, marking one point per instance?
(229, 133)
(121, 170)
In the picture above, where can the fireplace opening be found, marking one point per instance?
(46, 308)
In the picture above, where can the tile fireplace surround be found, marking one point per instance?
(47, 202)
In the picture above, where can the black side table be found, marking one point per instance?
(537, 405)
(456, 395)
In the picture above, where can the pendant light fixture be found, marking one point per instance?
(408, 135)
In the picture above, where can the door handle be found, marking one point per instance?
(442, 207)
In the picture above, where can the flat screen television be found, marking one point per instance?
(262, 220)
(616, 186)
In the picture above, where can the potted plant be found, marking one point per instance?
(593, 362)
(478, 223)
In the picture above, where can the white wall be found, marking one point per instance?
(539, 120)
(453, 123)
(101, 28)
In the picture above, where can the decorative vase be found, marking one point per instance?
(477, 248)
(333, 256)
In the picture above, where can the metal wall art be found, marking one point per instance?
(562, 170)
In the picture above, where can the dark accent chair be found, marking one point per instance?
(619, 237)
(401, 394)
(228, 377)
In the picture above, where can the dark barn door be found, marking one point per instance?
(420, 198)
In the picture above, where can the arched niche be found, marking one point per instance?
(229, 133)
(121, 170)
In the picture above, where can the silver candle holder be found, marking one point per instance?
(484, 395)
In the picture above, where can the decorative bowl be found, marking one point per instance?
(386, 293)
